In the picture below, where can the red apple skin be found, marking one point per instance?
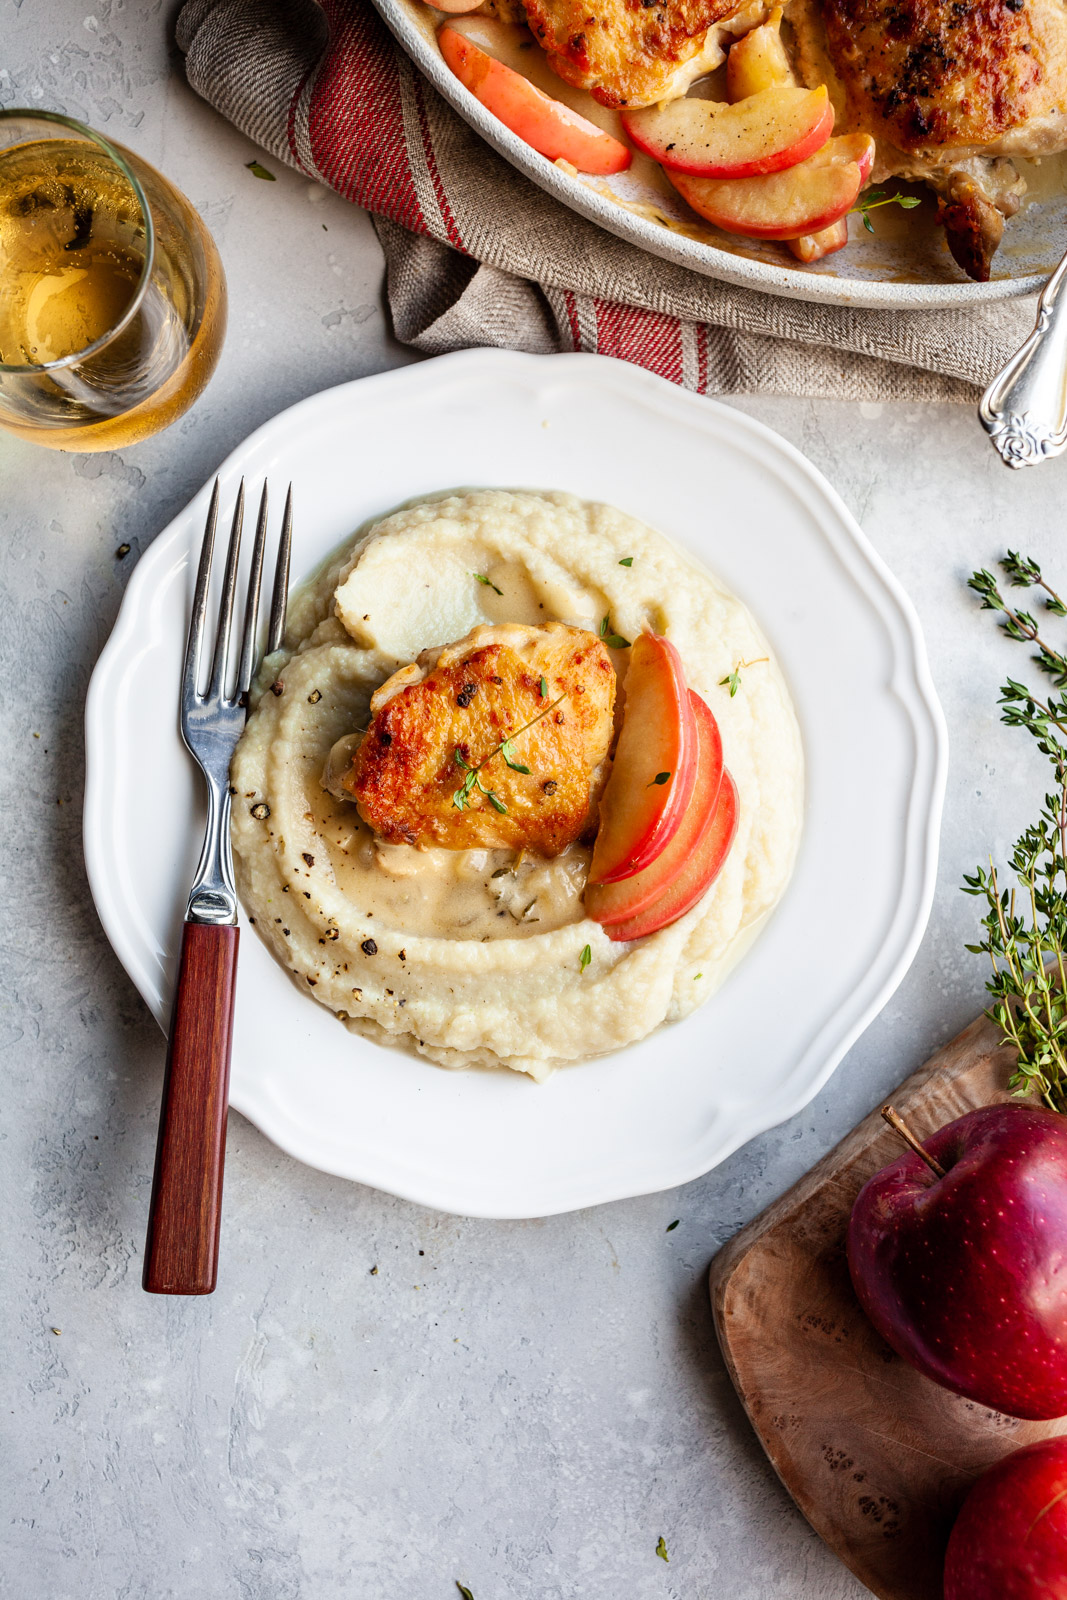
(614, 902)
(1009, 1541)
(547, 125)
(713, 139)
(700, 872)
(804, 199)
(638, 817)
(965, 1276)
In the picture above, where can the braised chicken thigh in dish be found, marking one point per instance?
(497, 742)
(950, 90)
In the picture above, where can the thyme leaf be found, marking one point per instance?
(489, 584)
(732, 679)
(672, 1225)
(544, 688)
(627, 561)
(661, 1549)
(879, 197)
(585, 958)
(507, 750)
(613, 640)
(1024, 929)
(464, 1591)
(258, 170)
(661, 778)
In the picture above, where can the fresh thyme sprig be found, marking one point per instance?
(732, 680)
(461, 797)
(1025, 928)
(878, 197)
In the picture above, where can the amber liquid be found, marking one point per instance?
(72, 254)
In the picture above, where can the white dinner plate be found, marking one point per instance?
(663, 1111)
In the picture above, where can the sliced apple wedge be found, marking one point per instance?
(784, 205)
(766, 132)
(454, 8)
(547, 125)
(813, 246)
(615, 902)
(696, 878)
(758, 61)
(654, 771)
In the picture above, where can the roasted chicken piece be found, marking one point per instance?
(631, 52)
(434, 768)
(950, 90)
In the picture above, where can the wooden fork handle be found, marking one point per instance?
(181, 1250)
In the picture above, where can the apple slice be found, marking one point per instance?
(654, 771)
(454, 8)
(766, 132)
(547, 125)
(784, 205)
(696, 878)
(758, 61)
(614, 902)
(813, 246)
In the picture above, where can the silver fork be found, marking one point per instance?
(181, 1250)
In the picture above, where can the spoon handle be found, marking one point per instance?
(1024, 410)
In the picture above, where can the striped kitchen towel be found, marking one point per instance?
(476, 254)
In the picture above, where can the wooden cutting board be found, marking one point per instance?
(876, 1456)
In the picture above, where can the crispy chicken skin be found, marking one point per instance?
(467, 698)
(630, 52)
(949, 89)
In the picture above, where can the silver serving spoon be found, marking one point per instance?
(1024, 410)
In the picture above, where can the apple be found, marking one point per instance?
(784, 205)
(454, 8)
(813, 246)
(654, 771)
(547, 125)
(614, 902)
(758, 61)
(965, 1274)
(1009, 1541)
(696, 878)
(765, 132)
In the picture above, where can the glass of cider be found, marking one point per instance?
(112, 295)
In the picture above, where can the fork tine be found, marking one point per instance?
(193, 647)
(255, 578)
(280, 597)
(229, 584)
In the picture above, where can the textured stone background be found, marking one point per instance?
(525, 1407)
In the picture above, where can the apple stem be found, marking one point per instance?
(898, 1125)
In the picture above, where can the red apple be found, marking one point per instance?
(548, 125)
(655, 764)
(454, 8)
(614, 902)
(813, 246)
(784, 205)
(966, 1275)
(696, 878)
(758, 60)
(765, 132)
(1009, 1541)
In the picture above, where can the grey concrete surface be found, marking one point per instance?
(524, 1407)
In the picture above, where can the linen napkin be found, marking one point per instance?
(476, 254)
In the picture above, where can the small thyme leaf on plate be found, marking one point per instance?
(613, 640)
(585, 957)
(489, 584)
(661, 1549)
(661, 777)
(672, 1225)
(464, 1591)
(732, 679)
(879, 197)
(544, 688)
(258, 170)
(627, 561)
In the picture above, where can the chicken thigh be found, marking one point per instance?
(497, 742)
(950, 90)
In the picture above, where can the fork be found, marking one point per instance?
(181, 1249)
